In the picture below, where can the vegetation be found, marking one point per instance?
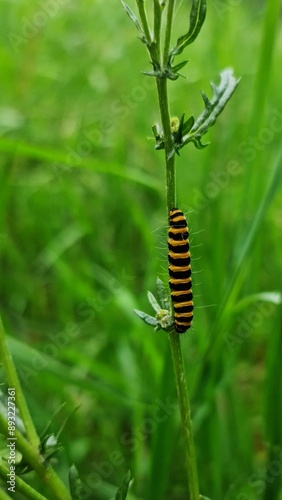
(83, 237)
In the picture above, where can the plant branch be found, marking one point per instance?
(37, 463)
(157, 26)
(29, 448)
(169, 19)
(13, 381)
(144, 20)
(21, 485)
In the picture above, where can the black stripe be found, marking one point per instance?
(180, 262)
(180, 275)
(178, 236)
(181, 329)
(185, 297)
(180, 287)
(179, 248)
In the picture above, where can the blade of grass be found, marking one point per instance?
(58, 157)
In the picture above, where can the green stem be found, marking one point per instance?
(144, 20)
(169, 147)
(29, 448)
(14, 383)
(157, 26)
(37, 463)
(21, 486)
(154, 50)
(169, 19)
(183, 399)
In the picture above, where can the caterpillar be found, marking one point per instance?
(180, 281)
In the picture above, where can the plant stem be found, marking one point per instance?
(183, 399)
(169, 147)
(37, 462)
(154, 50)
(144, 20)
(21, 486)
(29, 448)
(14, 382)
(169, 19)
(157, 26)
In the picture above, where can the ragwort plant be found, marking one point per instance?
(171, 135)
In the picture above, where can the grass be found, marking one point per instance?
(83, 237)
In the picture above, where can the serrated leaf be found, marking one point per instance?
(121, 493)
(150, 320)
(213, 108)
(153, 301)
(76, 486)
(197, 17)
(133, 18)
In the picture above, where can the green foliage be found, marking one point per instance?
(163, 319)
(123, 490)
(197, 18)
(83, 235)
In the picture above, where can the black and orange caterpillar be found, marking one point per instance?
(180, 281)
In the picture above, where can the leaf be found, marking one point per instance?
(179, 66)
(121, 493)
(197, 17)
(133, 18)
(274, 297)
(76, 486)
(150, 320)
(162, 294)
(153, 301)
(213, 108)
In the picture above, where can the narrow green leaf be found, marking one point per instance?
(179, 66)
(270, 297)
(121, 493)
(150, 320)
(133, 18)
(197, 18)
(153, 301)
(188, 125)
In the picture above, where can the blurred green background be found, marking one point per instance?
(83, 237)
